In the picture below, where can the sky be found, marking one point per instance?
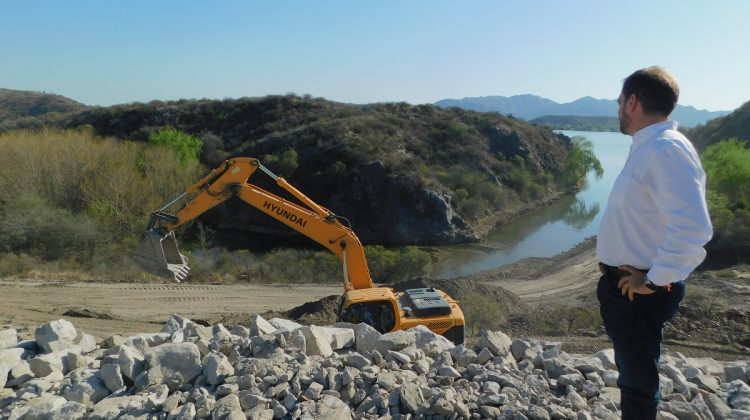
(105, 52)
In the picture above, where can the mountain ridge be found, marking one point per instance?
(529, 107)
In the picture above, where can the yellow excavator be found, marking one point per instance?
(381, 307)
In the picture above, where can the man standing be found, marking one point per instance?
(651, 236)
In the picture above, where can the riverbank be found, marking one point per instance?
(714, 320)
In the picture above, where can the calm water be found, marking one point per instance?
(546, 232)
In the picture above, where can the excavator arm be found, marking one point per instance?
(380, 307)
(158, 252)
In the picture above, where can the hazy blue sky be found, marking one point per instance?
(419, 51)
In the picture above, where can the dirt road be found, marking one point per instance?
(713, 315)
(104, 309)
(566, 279)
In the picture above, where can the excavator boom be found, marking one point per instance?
(158, 252)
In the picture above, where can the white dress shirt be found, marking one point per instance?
(656, 217)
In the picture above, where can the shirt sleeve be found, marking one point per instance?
(676, 183)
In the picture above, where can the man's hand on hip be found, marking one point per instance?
(633, 284)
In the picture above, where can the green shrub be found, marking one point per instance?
(391, 266)
(297, 266)
(32, 225)
(481, 312)
(285, 164)
(727, 166)
(581, 159)
(79, 199)
(16, 264)
(519, 177)
(187, 147)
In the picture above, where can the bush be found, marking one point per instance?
(285, 164)
(392, 266)
(481, 312)
(32, 225)
(727, 166)
(16, 264)
(187, 147)
(65, 193)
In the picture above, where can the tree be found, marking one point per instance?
(581, 159)
(285, 164)
(188, 148)
(727, 166)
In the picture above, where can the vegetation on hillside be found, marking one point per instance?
(16, 104)
(485, 166)
(578, 123)
(77, 198)
(727, 165)
(735, 125)
(75, 203)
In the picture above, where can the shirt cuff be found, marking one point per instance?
(656, 283)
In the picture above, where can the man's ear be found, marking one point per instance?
(632, 102)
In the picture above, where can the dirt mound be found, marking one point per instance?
(85, 313)
(460, 289)
(325, 310)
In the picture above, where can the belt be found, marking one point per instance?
(614, 274)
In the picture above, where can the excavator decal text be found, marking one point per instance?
(285, 214)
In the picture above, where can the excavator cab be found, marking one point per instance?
(378, 314)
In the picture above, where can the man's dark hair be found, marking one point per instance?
(655, 87)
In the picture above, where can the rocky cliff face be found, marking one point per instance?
(392, 209)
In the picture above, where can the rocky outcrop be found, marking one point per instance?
(279, 369)
(388, 208)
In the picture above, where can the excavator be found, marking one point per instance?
(380, 307)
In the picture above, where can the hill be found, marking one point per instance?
(529, 107)
(402, 174)
(20, 103)
(734, 125)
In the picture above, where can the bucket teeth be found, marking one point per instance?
(179, 271)
(159, 255)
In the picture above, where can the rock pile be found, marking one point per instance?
(278, 369)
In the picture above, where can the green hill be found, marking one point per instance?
(734, 125)
(19, 104)
(401, 174)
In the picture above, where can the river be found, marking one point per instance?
(548, 231)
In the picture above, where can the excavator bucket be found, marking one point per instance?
(158, 254)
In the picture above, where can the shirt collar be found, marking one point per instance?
(651, 131)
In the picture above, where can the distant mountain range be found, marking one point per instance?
(529, 107)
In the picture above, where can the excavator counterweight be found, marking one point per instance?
(380, 307)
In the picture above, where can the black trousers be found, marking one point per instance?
(635, 329)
